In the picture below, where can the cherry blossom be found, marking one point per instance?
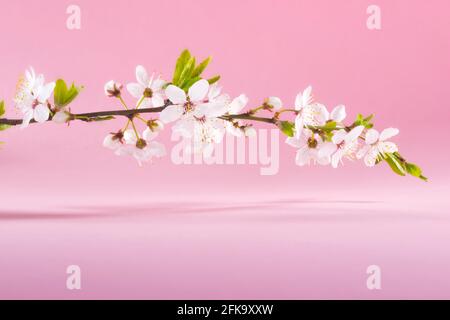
(376, 145)
(343, 144)
(308, 145)
(32, 98)
(148, 89)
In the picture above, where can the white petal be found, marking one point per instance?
(214, 91)
(372, 136)
(199, 90)
(111, 143)
(354, 134)
(327, 149)
(136, 90)
(371, 157)
(157, 100)
(130, 137)
(298, 126)
(175, 94)
(388, 147)
(339, 136)
(238, 104)
(302, 156)
(362, 152)
(388, 133)
(338, 114)
(41, 113)
(295, 142)
(157, 84)
(27, 116)
(149, 134)
(142, 76)
(336, 158)
(46, 91)
(171, 113)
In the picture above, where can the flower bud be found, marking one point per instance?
(112, 89)
(249, 131)
(155, 125)
(141, 144)
(274, 102)
(61, 117)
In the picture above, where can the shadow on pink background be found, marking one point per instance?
(167, 231)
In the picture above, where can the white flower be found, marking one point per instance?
(114, 141)
(274, 102)
(376, 145)
(142, 149)
(147, 88)
(309, 113)
(113, 89)
(31, 97)
(61, 116)
(182, 103)
(309, 146)
(344, 144)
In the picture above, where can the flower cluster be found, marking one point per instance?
(202, 114)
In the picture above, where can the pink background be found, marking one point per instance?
(167, 231)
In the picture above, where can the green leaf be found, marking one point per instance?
(179, 67)
(201, 67)
(213, 79)
(2, 108)
(287, 127)
(395, 164)
(329, 126)
(415, 171)
(4, 127)
(63, 95)
(187, 72)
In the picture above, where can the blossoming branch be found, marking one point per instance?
(202, 114)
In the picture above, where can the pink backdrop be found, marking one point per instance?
(167, 231)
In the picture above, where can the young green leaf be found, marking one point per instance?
(63, 95)
(179, 67)
(201, 67)
(415, 171)
(2, 108)
(287, 127)
(213, 79)
(395, 164)
(187, 72)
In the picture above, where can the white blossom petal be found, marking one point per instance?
(175, 94)
(238, 104)
(199, 90)
(45, 92)
(338, 114)
(171, 113)
(136, 90)
(372, 136)
(142, 76)
(41, 113)
(157, 100)
(354, 134)
(388, 133)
